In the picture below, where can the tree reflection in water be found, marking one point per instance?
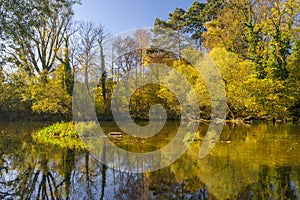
(237, 170)
(272, 184)
(40, 182)
(2, 168)
(41, 172)
(33, 179)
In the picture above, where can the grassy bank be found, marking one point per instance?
(62, 134)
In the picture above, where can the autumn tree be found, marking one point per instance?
(35, 32)
(35, 37)
(260, 31)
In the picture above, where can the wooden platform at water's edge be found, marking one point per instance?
(116, 134)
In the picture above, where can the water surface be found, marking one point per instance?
(255, 161)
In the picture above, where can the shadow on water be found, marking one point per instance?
(257, 161)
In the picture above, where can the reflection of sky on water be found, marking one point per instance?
(258, 163)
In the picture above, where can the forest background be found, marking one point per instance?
(254, 43)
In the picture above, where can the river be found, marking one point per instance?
(249, 161)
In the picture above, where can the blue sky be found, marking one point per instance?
(123, 15)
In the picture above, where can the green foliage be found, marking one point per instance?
(51, 97)
(11, 89)
(67, 73)
(34, 31)
(63, 135)
(102, 105)
(235, 73)
(34, 34)
(268, 97)
(263, 39)
(293, 82)
(247, 94)
(261, 32)
(189, 24)
(255, 46)
(196, 82)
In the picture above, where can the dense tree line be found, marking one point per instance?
(254, 43)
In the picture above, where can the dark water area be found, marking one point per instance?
(254, 161)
